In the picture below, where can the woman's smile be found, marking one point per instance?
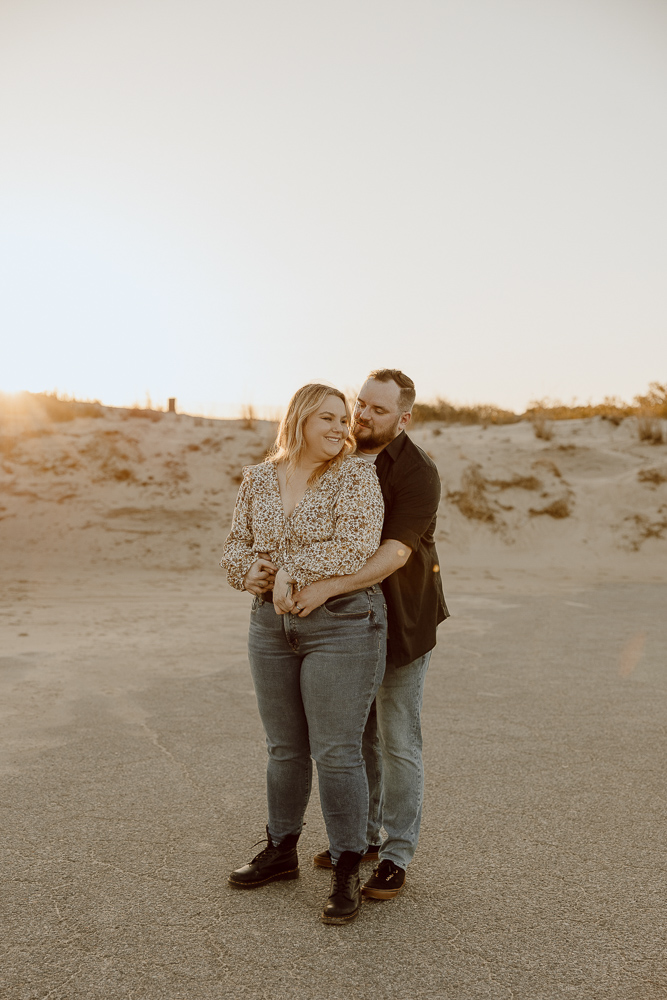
(325, 430)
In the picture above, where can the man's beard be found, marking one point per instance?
(371, 439)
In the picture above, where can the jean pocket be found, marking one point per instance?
(355, 605)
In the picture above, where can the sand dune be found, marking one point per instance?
(156, 492)
(590, 502)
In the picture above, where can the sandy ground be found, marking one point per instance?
(132, 765)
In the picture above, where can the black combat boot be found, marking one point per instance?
(345, 899)
(276, 861)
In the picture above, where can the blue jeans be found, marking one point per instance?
(315, 680)
(392, 749)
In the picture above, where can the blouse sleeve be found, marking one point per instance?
(359, 513)
(237, 553)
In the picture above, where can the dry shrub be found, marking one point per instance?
(137, 413)
(123, 475)
(611, 408)
(517, 482)
(248, 417)
(112, 451)
(447, 413)
(473, 502)
(648, 409)
(559, 508)
(541, 425)
(654, 476)
(546, 463)
(176, 471)
(213, 443)
(63, 409)
(646, 528)
(655, 400)
(649, 427)
(471, 499)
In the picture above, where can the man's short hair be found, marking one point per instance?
(406, 397)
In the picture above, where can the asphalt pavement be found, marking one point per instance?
(133, 782)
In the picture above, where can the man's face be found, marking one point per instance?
(377, 419)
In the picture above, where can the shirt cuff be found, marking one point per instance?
(236, 574)
(402, 534)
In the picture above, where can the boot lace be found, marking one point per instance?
(343, 880)
(268, 852)
(385, 870)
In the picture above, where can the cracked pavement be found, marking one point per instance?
(132, 782)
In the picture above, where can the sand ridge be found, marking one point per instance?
(156, 491)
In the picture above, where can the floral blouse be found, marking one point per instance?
(332, 531)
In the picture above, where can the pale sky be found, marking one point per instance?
(221, 201)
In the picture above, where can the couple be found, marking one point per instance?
(337, 661)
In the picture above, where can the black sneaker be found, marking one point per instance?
(386, 881)
(323, 859)
(274, 862)
(345, 897)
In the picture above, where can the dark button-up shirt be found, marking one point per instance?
(415, 601)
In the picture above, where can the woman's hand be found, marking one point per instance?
(260, 576)
(314, 596)
(282, 592)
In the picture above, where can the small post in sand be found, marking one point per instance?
(172, 404)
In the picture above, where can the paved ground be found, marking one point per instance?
(132, 783)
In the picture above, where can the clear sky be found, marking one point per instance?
(221, 200)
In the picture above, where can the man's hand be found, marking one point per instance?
(260, 576)
(391, 555)
(314, 596)
(282, 592)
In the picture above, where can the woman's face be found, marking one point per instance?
(325, 430)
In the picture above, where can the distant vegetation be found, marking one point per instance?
(248, 417)
(60, 409)
(648, 409)
(447, 413)
(653, 403)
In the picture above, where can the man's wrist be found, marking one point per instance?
(342, 585)
(329, 586)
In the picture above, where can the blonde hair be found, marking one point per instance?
(290, 443)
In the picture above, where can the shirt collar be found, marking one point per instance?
(395, 447)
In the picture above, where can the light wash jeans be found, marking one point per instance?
(315, 680)
(392, 749)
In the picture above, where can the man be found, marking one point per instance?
(408, 566)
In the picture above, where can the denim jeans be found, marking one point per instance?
(315, 680)
(392, 749)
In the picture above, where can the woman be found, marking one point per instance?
(315, 512)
